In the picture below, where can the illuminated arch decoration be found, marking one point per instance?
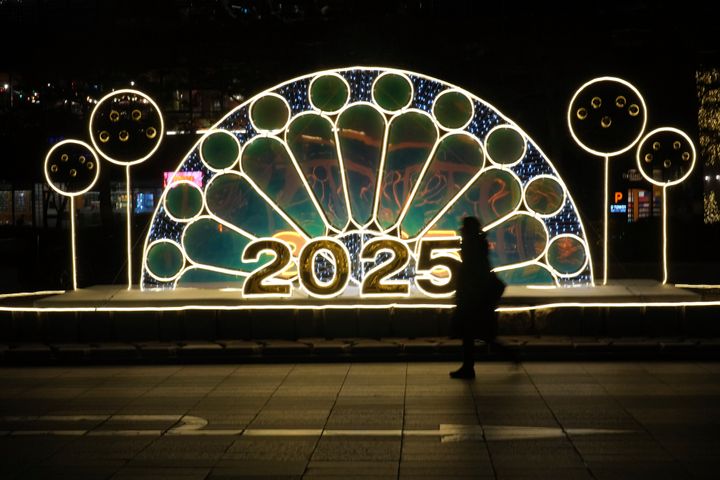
(354, 183)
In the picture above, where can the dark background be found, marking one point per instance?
(525, 59)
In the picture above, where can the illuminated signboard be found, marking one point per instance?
(194, 177)
(354, 183)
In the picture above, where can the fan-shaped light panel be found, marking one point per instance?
(357, 166)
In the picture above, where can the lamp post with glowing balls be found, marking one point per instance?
(126, 128)
(606, 117)
(665, 157)
(71, 169)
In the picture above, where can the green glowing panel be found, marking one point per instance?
(453, 110)
(267, 162)
(535, 274)
(521, 238)
(269, 112)
(392, 91)
(183, 201)
(328, 93)
(456, 160)
(505, 145)
(211, 243)
(411, 137)
(220, 150)
(495, 194)
(312, 142)
(566, 255)
(230, 197)
(198, 276)
(164, 259)
(361, 132)
(544, 195)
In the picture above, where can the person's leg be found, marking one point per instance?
(468, 349)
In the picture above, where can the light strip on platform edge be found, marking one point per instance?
(526, 308)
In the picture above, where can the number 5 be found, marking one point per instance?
(437, 266)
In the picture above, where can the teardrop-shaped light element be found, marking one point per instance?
(495, 194)
(519, 239)
(164, 260)
(457, 159)
(208, 242)
(267, 163)
(311, 140)
(231, 198)
(361, 133)
(411, 137)
(202, 277)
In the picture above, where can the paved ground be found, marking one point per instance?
(391, 420)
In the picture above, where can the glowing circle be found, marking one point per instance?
(453, 109)
(505, 145)
(270, 112)
(219, 149)
(119, 134)
(164, 260)
(668, 154)
(567, 255)
(183, 201)
(544, 195)
(329, 93)
(392, 91)
(609, 127)
(66, 173)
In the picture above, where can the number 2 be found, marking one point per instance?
(376, 282)
(263, 282)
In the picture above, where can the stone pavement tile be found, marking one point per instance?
(296, 391)
(432, 449)
(446, 469)
(19, 452)
(350, 466)
(633, 470)
(349, 390)
(539, 454)
(361, 449)
(270, 449)
(183, 451)
(78, 472)
(519, 472)
(300, 402)
(223, 419)
(277, 418)
(433, 420)
(259, 469)
(359, 418)
(133, 473)
(100, 449)
(436, 390)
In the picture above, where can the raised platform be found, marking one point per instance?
(631, 308)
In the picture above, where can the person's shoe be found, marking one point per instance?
(464, 373)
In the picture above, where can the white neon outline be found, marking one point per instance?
(472, 96)
(190, 261)
(128, 214)
(174, 184)
(274, 131)
(386, 280)
(328, 112)
(542, 265)
(200, 267)
(298, 171)
(511, 126)
(262, 194)
(524, 196)
(202, 157)
(692, 158)
(31, 294)
(74, 142)
(312, 270)
(182, 267)
(380, 163)
(566, 275)
(453, 253)
(424, 170)
(160, 134)
(381, 174)
(664, 235)
(697, 285)
(341, 167)
(271, 280)
(361, 306)
(465, 189)
(452, 90)
(392, 72)
(598, 80)
(73, 255)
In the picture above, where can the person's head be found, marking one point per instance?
(471, 226)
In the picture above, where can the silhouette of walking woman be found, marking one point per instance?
(477, 293)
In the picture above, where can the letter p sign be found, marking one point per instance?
(618, 197)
